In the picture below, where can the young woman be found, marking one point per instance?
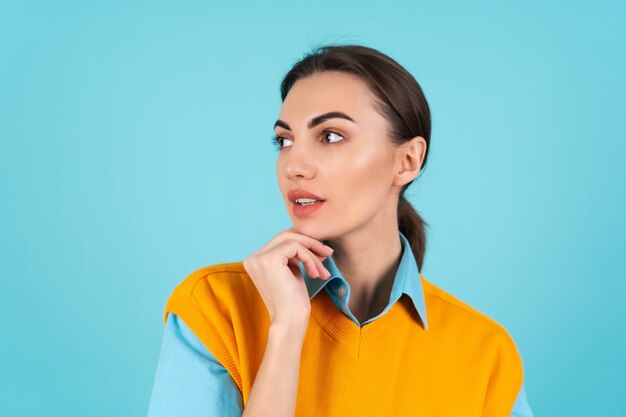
(332, 316)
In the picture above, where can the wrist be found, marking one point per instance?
(287, 331)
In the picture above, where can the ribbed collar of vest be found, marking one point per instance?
(407, 280)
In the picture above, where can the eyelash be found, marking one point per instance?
(276, 139)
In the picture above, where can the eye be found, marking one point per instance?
(330, 132)
(278, 141)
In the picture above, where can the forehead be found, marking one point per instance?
(327, 91)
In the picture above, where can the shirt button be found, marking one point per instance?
(341, 290)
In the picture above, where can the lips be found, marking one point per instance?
(293, 195)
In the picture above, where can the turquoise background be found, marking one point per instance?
(135, 148)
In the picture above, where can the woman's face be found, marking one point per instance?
(349, 164)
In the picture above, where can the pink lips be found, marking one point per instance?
(293, 195)
(300, 210)
(305, 210)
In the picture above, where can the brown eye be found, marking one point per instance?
(277, 141)
(331, 133)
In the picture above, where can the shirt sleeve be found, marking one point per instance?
(521, 407)
(189, 380)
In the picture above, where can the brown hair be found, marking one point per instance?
(399, 98)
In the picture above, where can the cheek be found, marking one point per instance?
(362, 178)
(283, 183)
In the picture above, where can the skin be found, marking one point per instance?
(360, 177)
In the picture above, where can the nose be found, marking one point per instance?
(299, 162)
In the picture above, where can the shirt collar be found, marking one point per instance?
(407, 279)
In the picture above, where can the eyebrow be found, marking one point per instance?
(318, 119)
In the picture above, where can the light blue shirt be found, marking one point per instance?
(191, 382)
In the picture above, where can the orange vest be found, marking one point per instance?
(464, 365)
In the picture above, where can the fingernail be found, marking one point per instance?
(329, 248)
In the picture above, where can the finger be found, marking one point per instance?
(312, 265)
(309, 260)
(322, 272)
(315, 246)
(294, 266)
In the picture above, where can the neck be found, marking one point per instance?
(368, 260)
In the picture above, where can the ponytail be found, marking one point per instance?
(413, 227)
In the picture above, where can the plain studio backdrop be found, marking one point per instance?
(135, 148)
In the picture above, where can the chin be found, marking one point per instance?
(310, 231)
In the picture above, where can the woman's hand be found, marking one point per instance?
(275, 271)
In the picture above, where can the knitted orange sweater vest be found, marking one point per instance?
(464, 365)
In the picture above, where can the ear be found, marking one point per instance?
(410, 156)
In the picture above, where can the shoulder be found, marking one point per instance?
(220, 305)
(223, 276)
(215, 289)
(448, 312)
